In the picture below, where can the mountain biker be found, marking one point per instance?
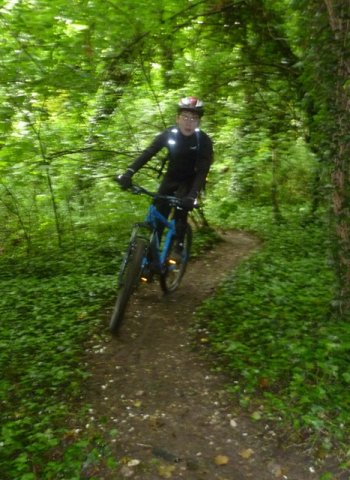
(190, 154)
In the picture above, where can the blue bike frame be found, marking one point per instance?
(158, 257)
(152, 217)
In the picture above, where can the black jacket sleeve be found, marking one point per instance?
(203, 163)
(157, 144)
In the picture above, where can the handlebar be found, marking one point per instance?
(171, 199)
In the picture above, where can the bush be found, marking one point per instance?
(271, 327)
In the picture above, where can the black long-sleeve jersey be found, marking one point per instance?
(189, 157)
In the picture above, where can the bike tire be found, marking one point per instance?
(171, 278)
(128, 283)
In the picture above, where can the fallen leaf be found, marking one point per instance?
(246, 453)
(276, 469)
(156, 422)
(126, 472)
(166, 471)
(233, 423)
(264, 382)
(221, 460)
(134, 462)
(256, 415)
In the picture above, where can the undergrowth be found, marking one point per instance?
(269, 324)
(50, 305)
(50, 310)
(271, 327)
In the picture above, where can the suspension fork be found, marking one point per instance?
(168, 241)
(135, 233)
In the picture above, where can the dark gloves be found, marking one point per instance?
(124, 180)
(188, 203)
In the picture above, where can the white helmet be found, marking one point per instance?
(192, 104)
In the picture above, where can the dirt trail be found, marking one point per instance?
(168, 412)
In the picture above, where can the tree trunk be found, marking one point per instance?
(339, 18)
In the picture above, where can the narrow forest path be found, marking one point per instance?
(168, 411)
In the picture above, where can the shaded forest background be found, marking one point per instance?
(85, 85)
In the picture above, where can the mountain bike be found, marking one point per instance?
(147, 256)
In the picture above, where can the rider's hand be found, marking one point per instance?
(188, 203)
(124, 180)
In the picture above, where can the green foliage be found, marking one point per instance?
(77, 103)
(87, 100)
(49, 308)
(271, 328)
(204, 239)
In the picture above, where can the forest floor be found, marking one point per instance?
(165, 411)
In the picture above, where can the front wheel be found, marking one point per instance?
(128, 282)
(175, 269)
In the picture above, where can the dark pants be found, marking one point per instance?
(179, 190)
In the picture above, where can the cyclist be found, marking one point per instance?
(190, 154)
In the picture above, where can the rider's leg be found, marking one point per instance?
(167, 187)
(181, 226)
(181, 214)
(164, 209)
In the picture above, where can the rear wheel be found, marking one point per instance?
(176, 265)
(128, 283)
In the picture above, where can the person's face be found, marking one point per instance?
(187, 122)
